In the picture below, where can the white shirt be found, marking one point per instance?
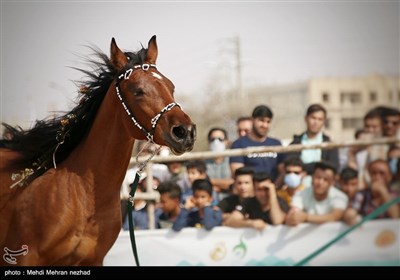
(311, 155)
(306, 201)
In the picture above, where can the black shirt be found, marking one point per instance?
(252, 209)
(228, 204)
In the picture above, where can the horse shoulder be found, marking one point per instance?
(59, 205)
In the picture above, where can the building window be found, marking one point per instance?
(372, 96)
(352, 98)
(352, 123)
(325, 97)
(328, 123)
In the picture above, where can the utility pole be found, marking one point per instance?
(242, 97)
(232, 57)
(238, 68)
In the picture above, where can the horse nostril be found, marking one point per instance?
(180, 131)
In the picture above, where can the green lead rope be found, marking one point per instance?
(371, 216)
(131, 227)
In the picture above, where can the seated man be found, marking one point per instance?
(362, 203)
(198, 211)
(378, 191)
(348, 183)
(242, 188)
(322, 202)
(293, 180)
(262, 209)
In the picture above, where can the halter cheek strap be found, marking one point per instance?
(125, 76)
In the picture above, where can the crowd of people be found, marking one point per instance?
(261, 189)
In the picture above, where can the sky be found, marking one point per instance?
(280, 42)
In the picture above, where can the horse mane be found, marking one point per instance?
(59, 136)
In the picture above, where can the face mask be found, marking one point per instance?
(393, 165)
(217, 146)
(292, 180)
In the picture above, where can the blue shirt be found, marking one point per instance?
(163, 219)
(212, 218)
(140, 219)
(218, 170)
(260, 162)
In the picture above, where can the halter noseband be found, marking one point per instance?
(125, 76)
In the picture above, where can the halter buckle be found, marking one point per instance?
(131, 200)
(145, 66)
(128, 73)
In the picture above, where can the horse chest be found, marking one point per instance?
(92, 223)
(94, 242)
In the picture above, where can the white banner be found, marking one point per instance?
(374, 243)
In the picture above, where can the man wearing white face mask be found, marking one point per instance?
(218, 168)
(293, 180)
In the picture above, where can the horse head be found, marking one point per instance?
(148, 98)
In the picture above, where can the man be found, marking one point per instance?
(391, 122)
(218, 169)
(359, 157)
(262, 209)
(315, 120)
(373, 123)
(242, 188)
(244, 126)
(293, 179)
(261, 162)
(322, 202)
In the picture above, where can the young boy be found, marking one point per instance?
(198, 211)
(169, 206)
(197, 169)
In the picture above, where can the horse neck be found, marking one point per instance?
(104, 154)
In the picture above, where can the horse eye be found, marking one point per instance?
(138, 92)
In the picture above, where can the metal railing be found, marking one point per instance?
(152, 196)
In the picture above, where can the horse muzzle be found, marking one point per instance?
(181, 138)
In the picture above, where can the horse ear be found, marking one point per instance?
(152, 50)
(118, 58)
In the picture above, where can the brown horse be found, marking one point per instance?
(60, 180)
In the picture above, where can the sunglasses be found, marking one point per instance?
(218, 138)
